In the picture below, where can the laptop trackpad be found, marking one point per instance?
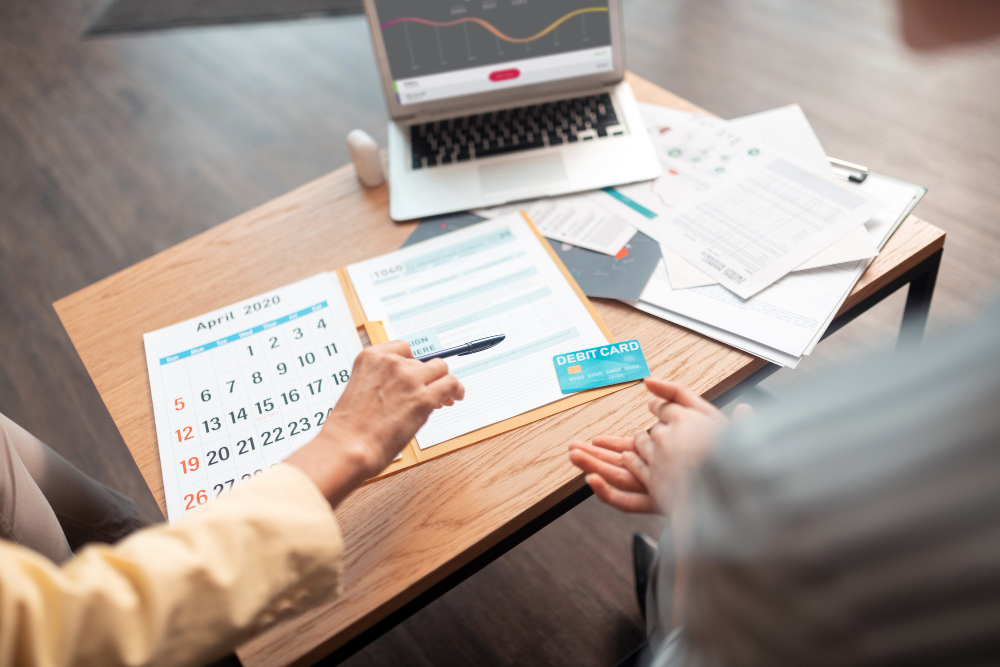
(528, 174)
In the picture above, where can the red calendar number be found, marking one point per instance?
(178, 404)
(186, 433)
(190, 465)
(191, 498)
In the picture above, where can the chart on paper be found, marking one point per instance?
(235, 391)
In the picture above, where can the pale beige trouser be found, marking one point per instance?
(49, 505)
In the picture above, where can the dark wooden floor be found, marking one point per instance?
(113, 149)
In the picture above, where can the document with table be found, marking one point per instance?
(238, 389)
(750, 233)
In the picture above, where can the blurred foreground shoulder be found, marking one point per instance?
(179, 594)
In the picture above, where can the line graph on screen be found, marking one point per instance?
(493, 29)
(427, 37)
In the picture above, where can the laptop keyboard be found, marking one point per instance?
(511, 130)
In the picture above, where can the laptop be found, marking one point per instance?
(495, 101)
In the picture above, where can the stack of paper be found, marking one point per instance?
(760, 241)
(745, 275)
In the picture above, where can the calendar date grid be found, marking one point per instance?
(247, 416)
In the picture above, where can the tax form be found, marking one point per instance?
(491, 278)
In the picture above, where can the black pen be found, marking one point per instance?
(469, 348)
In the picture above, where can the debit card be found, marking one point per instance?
(600, 366)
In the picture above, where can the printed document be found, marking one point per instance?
(903, 198)
(749, 233)
(785, 316)
(789, 317)
(855, 246)
(698, 153)
(579, 220)
(786, 129)
(495, 277)
(721, 335)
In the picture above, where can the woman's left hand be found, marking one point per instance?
(645, 473)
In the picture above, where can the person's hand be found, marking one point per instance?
(646, 473)
(603, 460)
(663, 457)
(388, 398)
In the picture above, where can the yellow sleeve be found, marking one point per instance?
(179, 594)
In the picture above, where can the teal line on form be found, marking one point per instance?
(459, 296)
(448, 279)
(493, 310)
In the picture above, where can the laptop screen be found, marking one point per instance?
(447, 48)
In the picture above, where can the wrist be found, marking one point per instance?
(337, 461)
(347, 448)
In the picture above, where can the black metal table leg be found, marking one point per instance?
(918, 303)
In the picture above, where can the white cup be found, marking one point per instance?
(364, 154)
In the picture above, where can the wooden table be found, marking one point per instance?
(418, 532)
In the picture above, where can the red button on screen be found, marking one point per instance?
(505, 74)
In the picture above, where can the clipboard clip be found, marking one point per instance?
(858, 172)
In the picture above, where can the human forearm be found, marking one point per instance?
(337, 461)
(179, 594)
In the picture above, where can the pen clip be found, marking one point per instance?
(860, 171)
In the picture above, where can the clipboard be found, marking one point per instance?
(412, 454)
